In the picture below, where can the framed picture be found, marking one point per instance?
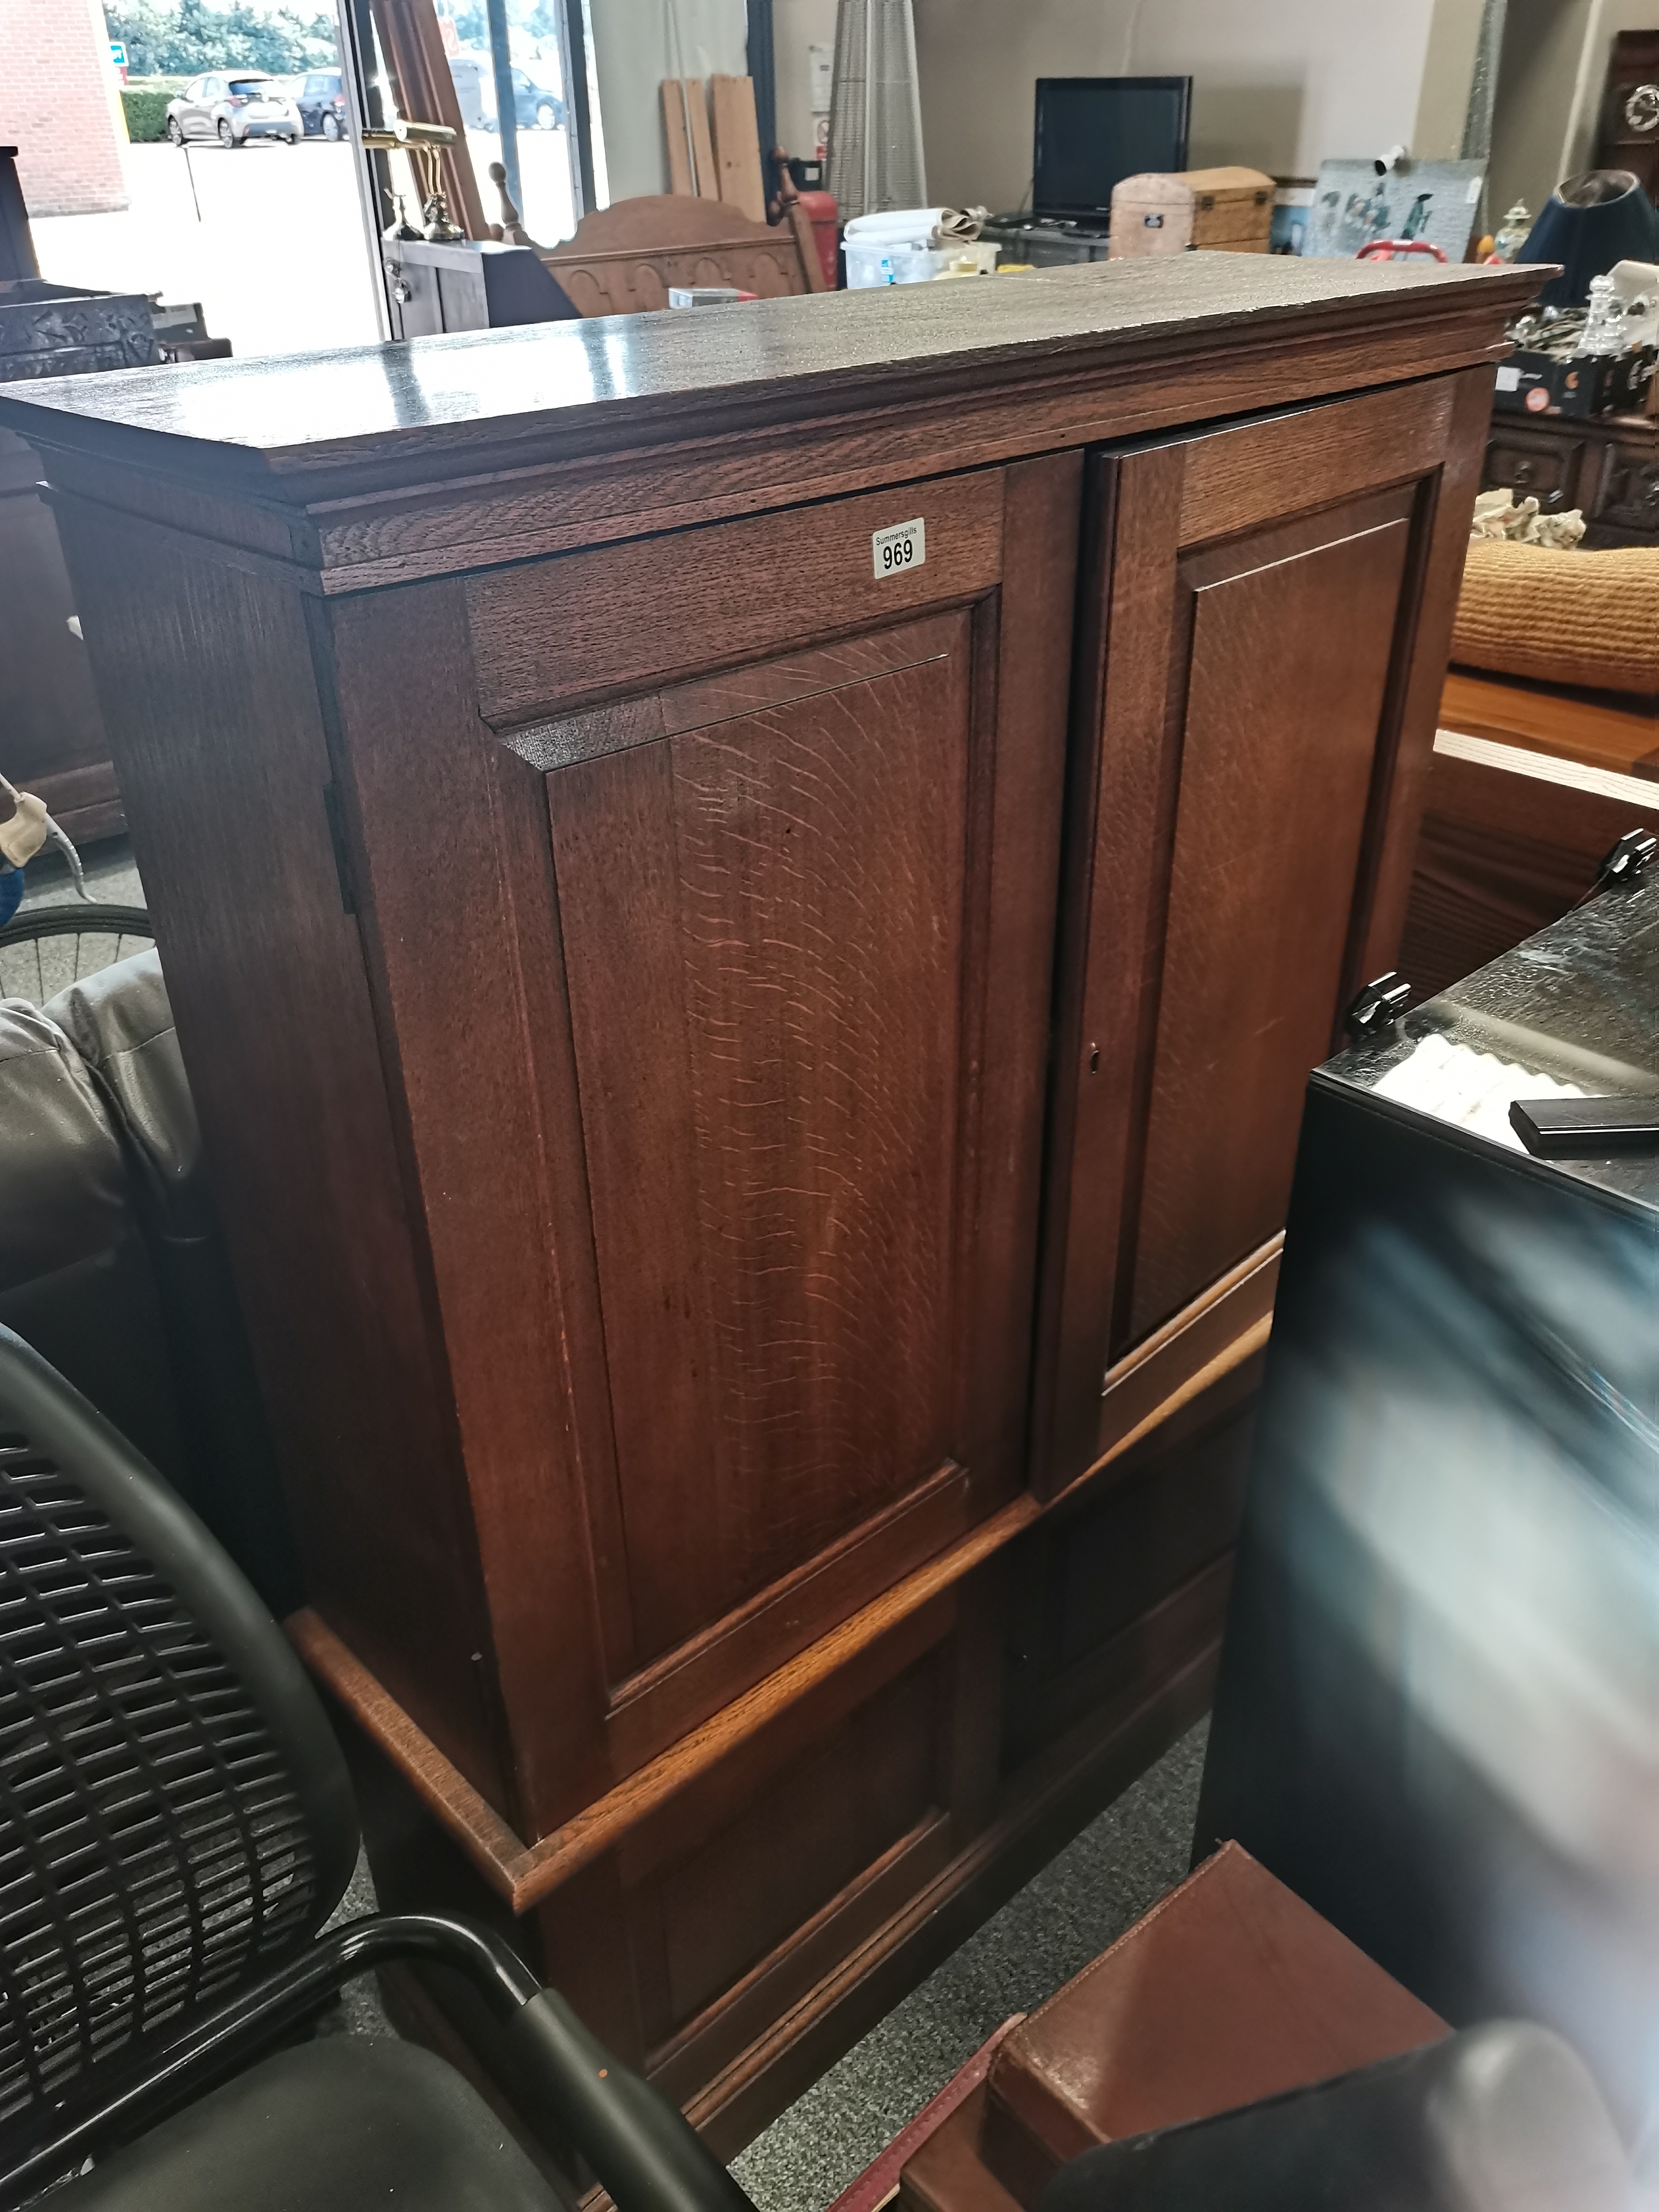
(1353, 206)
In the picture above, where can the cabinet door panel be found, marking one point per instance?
(768, 1024)
(1289, 673)
(1266, 614)
(733, 1176)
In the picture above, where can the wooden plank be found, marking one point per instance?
(703, 171)
(1599, 729)
(676, 134)
(1401, 781)
(264, 970)
(1123, 745)
(659, 1704)
(456, 1000)
(1547, 767)
(265, 446)
(1154, 1371)
(737, 144)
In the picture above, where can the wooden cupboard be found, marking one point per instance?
(747, 952)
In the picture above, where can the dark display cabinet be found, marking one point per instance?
(1438, 1711)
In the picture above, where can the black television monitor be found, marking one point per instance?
(1093, 131)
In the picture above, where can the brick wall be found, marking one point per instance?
(58, 105)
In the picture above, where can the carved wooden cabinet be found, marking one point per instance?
(1608, 465)
(748, 957)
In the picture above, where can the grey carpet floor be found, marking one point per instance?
(111, 876)
(1080, 1902)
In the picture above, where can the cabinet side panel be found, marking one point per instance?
(1288, 681)
(455, 931)
(211, 697)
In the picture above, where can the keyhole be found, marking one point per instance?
(1094, 1060)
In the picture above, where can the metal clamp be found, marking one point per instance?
(1375, 1009)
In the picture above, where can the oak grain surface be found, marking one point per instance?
(1289, 664)
(284, 415)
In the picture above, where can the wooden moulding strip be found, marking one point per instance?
(525, 1873)
(1509, 758)
(1148, 1380)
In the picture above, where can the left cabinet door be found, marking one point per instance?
(731, 1185)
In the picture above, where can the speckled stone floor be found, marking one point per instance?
(1080, 1902)
(111, 876)
(40, 967)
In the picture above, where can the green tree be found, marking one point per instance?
(181, 38)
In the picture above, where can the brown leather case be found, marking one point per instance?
(1230, 1989)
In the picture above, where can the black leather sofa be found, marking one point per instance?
(112, 1264)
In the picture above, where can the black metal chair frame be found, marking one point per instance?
(579, 2097)
(96, 1547)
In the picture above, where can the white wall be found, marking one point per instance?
(637, 43)
(1279, 85)
(1549, 92)
(796, 24)
(1607, 19)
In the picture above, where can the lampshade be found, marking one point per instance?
(1586, 224)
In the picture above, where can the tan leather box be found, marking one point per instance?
(1228, 210)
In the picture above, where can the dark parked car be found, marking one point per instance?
(534, 107)
(322, 104)
(233, 107)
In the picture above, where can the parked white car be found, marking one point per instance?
(233, 107)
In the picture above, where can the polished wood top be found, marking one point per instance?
(1603, 730)
(300, 416)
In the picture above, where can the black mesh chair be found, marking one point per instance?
(178, 1826)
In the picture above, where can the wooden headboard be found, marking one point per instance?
(623, 258)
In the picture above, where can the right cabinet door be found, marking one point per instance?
(1267, 610)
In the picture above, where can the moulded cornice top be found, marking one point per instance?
(283, 424)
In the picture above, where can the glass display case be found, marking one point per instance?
(1438, 1716)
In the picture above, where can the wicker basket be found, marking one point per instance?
(1562, 617)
